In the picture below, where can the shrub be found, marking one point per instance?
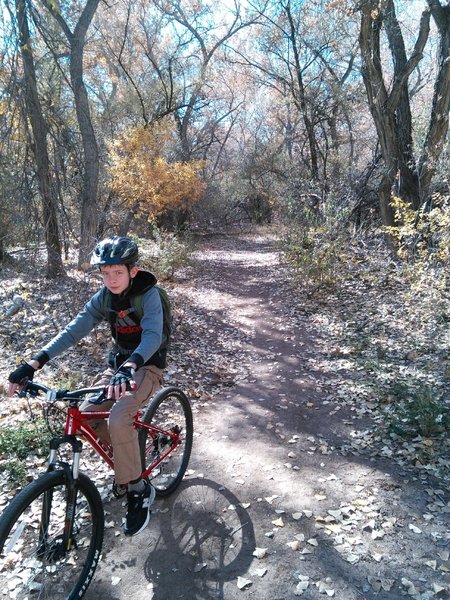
(165, 253)
(15, 470)
(418, 411)
(17, 443)
(143, 176)
(315, 255)
(423, 236)
(25, 438)
(423, 244)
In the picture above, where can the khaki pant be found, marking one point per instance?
(119, 429)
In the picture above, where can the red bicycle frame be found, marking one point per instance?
(77, 423)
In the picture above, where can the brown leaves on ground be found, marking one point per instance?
(371, 365)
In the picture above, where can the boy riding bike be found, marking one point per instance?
(131, 303)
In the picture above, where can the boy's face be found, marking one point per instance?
(117, 277)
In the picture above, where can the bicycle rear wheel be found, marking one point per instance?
(33, 562)
(171, 413)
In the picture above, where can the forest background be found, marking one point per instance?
(168, 120)
(200, 115)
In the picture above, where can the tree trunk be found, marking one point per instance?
(384, 192)
(378, 99)
(300, 99)
(88, 225)
(103, 217)
(439, 120)
(88, 229)
(407, 179)
(39, 129)
(391, 111)
(126, 223)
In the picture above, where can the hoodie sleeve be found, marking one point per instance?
(91, 315)
(152, 328)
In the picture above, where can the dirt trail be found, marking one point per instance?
(274, 508)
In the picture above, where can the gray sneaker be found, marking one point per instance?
(138, 511)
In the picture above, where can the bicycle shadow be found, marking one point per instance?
(207, 538)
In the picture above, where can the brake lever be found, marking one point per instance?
(100, 398)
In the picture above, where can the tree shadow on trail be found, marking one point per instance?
(207, 539)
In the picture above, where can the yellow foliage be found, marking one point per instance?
(145, 179)
(423, 235)
(423, 240)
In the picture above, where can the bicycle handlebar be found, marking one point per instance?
(35, 389)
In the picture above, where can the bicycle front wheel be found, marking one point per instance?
(169, 412)
(34, 562)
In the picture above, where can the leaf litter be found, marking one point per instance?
(356, 381)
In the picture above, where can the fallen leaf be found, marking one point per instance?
(324, 588)
(301, 588)
(243, 583)
(293, 545)
(260, 552)
(259, 572)
(409, 585)
(377, 557)
(270, 499)
(387, 584)
(351, 558)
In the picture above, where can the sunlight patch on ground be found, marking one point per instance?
(210, 298)
(245, 258)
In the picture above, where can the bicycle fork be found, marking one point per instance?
(57, 550)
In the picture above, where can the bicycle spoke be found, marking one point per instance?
(170, 412)
(35, 562)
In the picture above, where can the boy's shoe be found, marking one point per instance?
(138, 511)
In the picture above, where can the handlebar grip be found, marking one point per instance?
(32, 388)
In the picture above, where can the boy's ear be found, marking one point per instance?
(133, 272)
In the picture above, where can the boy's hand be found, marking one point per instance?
(121, 381)
(19, 377)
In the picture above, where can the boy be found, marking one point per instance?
(136, 362)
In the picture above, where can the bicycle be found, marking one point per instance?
(51, 533)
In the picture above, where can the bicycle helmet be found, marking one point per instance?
(115, 251)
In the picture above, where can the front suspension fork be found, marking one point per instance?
(71, 474)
